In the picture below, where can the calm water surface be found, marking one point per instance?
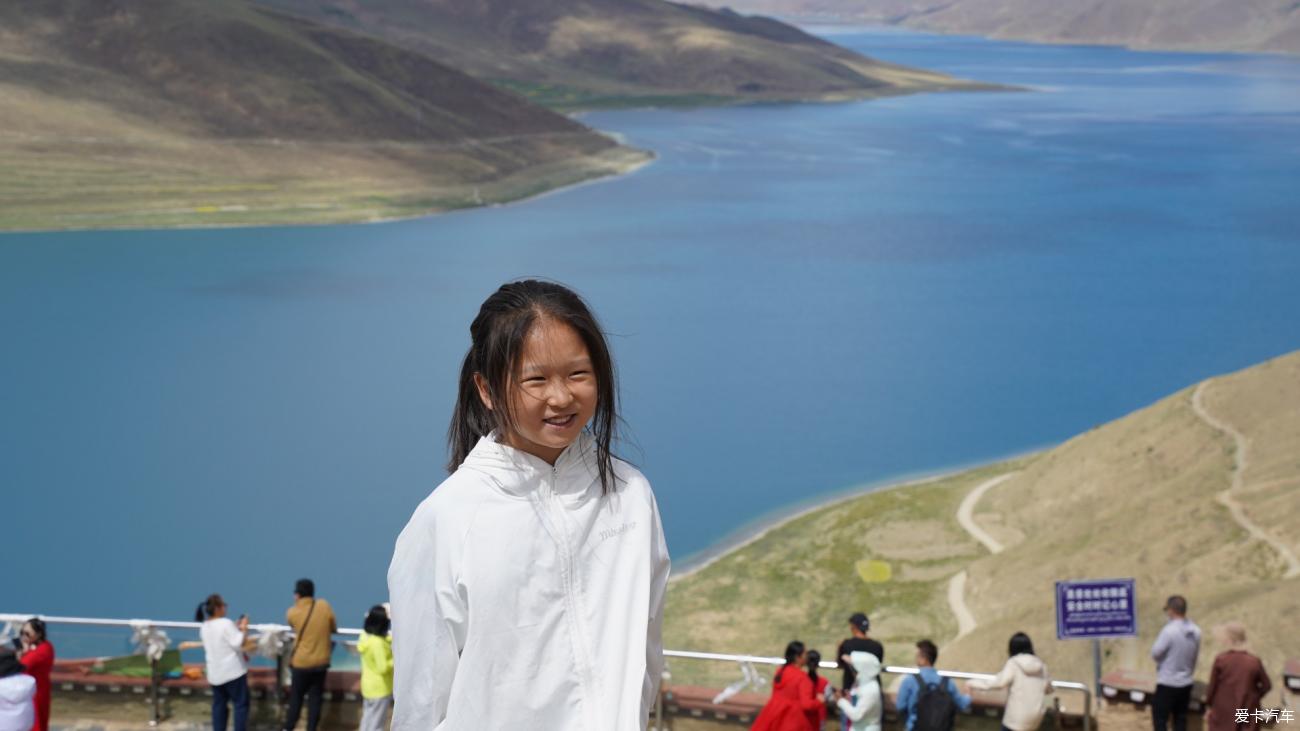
(803, 298)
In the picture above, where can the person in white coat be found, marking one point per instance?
(528, 589)
(862, 705)
(1026, 677)
(17, 694)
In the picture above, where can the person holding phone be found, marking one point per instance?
(224, 643)
(37, 657)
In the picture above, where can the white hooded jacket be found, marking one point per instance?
(17, 712)
(523, 598)
(1027, 677)
(864, 712)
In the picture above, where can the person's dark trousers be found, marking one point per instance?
(235, 693)
(1170, 700)
(309, 682)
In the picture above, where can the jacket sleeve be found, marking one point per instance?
(1161, 646)
(810, 700)
(234, 637)
(852, 711)
(430, 622)
(1003, 679)
(903, 702)
(1212, 688)
(1262, 683)
(963, 701)
(660, 565)
(866, 703)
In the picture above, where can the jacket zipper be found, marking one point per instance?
(571, 608)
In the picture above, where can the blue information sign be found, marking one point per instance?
(1096, 608)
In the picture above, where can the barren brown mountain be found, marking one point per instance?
(598, 52)
(156, 112)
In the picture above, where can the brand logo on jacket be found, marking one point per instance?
(614, 532)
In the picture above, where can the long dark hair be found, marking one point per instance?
(208, 607)
(38, 626)
(496, 343)
(377, 621)
(814, 658)
(1020, 644)
(792, 653)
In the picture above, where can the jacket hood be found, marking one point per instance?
(865, 665)
(17, 688)
(1029, 664)
(520, 473)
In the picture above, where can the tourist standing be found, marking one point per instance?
(224, 643)
(37, 656)
(376, 649)
(1174, 651)
(537, 570)
(1025, 675)
(17, 693)
(792, 700)
(863, 705)
(859, 641)
(1237, 680)
(928, 700)
(820, 685)
(313, 626)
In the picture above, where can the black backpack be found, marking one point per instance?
(935, 708)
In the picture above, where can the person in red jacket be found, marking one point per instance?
(792, 696)
(37, 657)
(818, 717)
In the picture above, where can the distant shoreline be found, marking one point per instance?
(830, 24)
(759, 527)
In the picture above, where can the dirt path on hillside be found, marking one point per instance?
(957, 601)
(957, 584)
(1241, 460)
(966, 513)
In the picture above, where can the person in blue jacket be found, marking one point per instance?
(909, 693)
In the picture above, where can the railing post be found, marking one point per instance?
(155, 680)
(1087, 709)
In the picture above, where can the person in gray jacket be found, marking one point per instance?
(1175, 652)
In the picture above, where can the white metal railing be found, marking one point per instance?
(743, 660)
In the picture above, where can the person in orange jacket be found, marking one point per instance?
(793, 697)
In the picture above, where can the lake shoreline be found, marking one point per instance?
(759, 527)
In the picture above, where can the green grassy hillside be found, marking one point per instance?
(164, 112)
(584, 53)
(1138, 497)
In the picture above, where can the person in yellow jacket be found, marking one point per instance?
(376, 648)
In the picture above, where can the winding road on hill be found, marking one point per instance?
(957, 584)
(1241, 460)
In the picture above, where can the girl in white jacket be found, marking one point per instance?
(527, 591)
(862, 705)
(1027, 678)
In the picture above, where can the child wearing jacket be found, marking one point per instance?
(1027, 678)
(793, 704)
(863, 706)
(538, 568)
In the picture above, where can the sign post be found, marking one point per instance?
(1093, 609)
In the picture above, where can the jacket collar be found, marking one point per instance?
(520, 474)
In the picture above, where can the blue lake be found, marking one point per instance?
(802, 298)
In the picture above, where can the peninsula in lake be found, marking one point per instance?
(147, 113)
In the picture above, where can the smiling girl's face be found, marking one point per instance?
(553, 393)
